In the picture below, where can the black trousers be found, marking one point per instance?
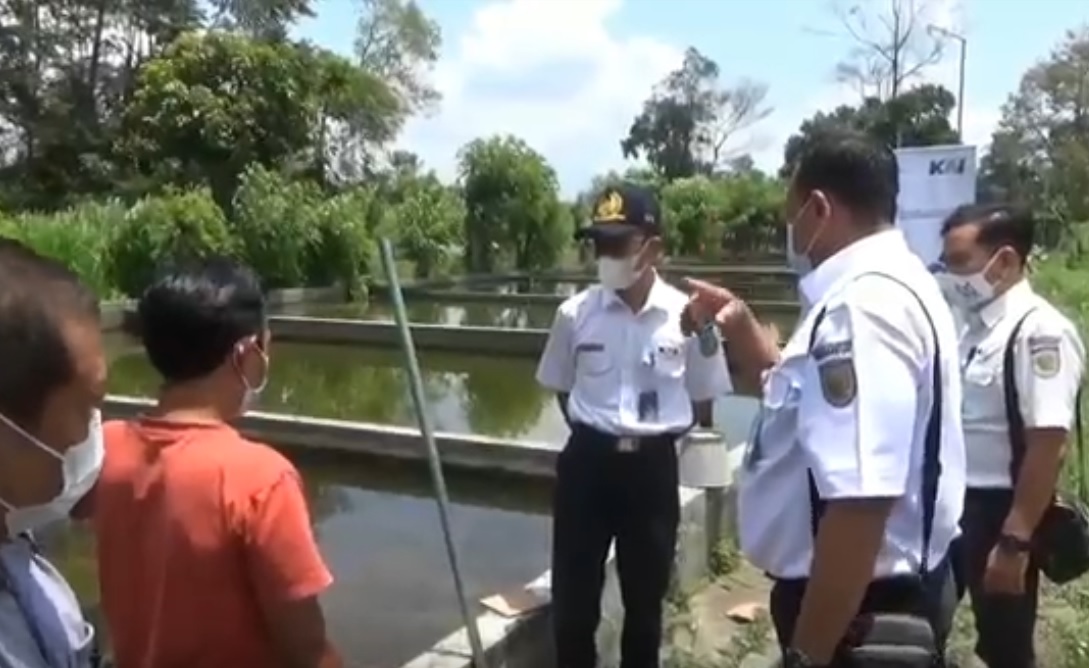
(1004, 624)
(934, 598)
(603, 494)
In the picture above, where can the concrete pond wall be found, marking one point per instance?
(510, 642)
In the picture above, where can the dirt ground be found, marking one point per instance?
(724, 623)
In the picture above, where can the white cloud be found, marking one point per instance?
(557, 75)
(979, 121)
(549, 72)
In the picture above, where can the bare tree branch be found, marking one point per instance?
(893, 48)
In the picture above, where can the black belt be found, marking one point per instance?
(597, 438)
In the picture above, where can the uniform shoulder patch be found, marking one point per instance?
(836, 371)
(1044, 350)
(839, 384)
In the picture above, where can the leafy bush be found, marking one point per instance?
(80, 237)
(158, 230)
(742, 212)
(276, 223)
(343, 249)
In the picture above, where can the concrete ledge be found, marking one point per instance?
(458, 296)
(537, 460)
(526, 641)
(116, 313)
(758, 271)
(329, 295)
(488, 340)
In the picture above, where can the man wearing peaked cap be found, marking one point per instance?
(629, 383)
(621, 211)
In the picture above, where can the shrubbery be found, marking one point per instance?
(289, 232)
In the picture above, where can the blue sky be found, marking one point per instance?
(569, 75)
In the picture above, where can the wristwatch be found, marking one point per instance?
(1013, 544)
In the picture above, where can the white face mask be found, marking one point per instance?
(617, 273)
(797, 260)
(969, 292)
(799, 263)
(81, 464)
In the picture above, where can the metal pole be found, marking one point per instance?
(949, 34)
(960, 92)
(415, 382)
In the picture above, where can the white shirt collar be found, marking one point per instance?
(1010, 301)
(846, 262)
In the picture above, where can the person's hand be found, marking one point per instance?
(1005, 572)
(772, 330)
(707, 301)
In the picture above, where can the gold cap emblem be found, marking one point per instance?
(610, 209)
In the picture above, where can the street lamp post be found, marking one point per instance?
(945, 32)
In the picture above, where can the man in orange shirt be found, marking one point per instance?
(205, 551)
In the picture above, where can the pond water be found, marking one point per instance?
(378, 529)
(476, 394)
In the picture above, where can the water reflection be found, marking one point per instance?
(378, 529)
(466, 393)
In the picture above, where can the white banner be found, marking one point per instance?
(934, 180)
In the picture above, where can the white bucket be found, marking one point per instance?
(704, 460)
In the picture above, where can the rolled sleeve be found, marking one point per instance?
(1049, 363)
(556, 368)
(705, 378)
(857, 424)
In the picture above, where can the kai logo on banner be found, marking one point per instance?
(947, 166)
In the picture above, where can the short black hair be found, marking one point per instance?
(857, 171)
(191, 318)
(38, 297)
(999, 225)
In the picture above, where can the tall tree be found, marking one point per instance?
(919, 117)
(398, 42)
(1040, 151)
(513, 209)
(688, 122)
(267, 19)
(893, 46)
(66, 69)
(215, 103)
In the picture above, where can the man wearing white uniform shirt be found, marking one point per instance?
(629, 383)
(854, 481)
(1022, 363)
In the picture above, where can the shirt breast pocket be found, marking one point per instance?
(667, 356)
(781, 390)
(592, 359)
(980, 375)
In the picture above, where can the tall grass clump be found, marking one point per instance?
(80, 237)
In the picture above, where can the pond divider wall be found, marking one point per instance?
(765, 307)
(519, 642)
(364, 438)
